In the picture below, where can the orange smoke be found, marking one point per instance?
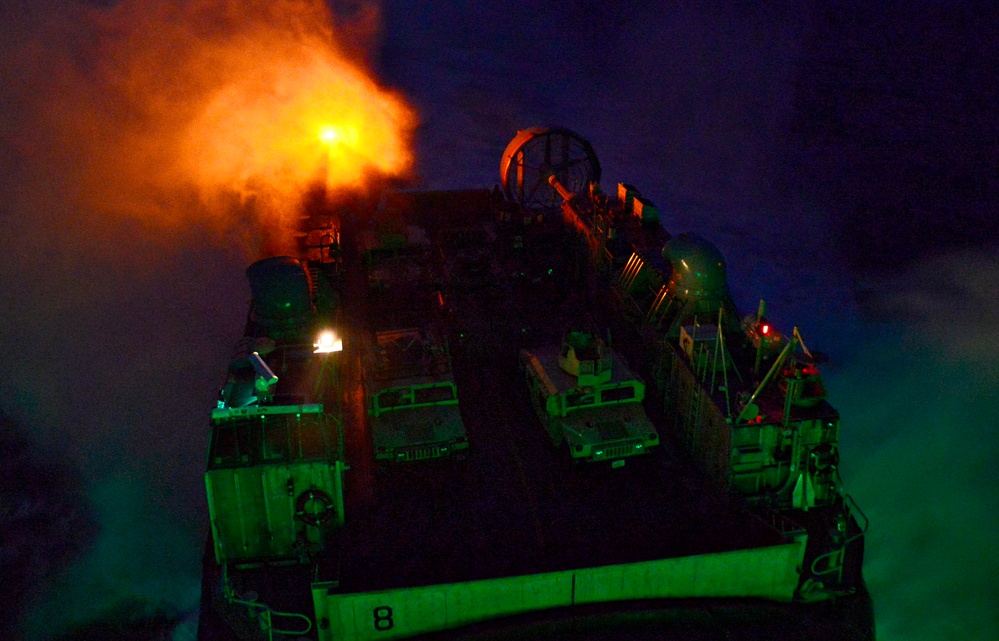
(292, 111)
(178, 112)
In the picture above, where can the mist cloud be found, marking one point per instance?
(142, 168)
(920, 400)
(201, 112)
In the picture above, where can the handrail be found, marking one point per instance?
(264, 613)
(267, 615)
(853, 505)
(840, 551)
(831, 568)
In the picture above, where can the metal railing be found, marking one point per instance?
(266, 617)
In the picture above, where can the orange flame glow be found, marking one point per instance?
(178, 112)
(302, 113)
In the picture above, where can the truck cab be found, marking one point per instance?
(588, 398)
(412, 400)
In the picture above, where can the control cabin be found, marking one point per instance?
(275, 463)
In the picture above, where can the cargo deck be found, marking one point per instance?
(512, 533)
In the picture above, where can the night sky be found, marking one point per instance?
(842, 155)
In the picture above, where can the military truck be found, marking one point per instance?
(411, 396)
(412, 401)
(588, 399)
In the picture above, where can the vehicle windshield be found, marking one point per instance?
(617, 394)
(437, 393)
(269, 439)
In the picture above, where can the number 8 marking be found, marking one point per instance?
(383, 618)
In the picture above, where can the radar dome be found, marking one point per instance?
(282, 298)
(698, 268)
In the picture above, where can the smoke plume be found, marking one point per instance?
(217, 114)
(150, 150)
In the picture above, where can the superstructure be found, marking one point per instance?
(494, 328)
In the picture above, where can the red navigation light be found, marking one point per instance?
(764, 329)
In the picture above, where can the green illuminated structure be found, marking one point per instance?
(275, 458)
(273, 483)
(412, 399)
(735, 501)
(411, 396)
(587, 398)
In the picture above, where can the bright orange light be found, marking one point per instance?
(327, 343)
(332, 135)
(329, 135)
(224, 112)
(260, 128)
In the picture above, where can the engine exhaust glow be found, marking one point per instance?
(302, 115)
(333, 135)
(218, 114)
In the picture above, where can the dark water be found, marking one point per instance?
(840, 154)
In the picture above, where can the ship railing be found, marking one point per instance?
(862, 521)
(852, 508)
(832, 562)
(661, 304)
(788, 528)
(630, 272)
(265, 615)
